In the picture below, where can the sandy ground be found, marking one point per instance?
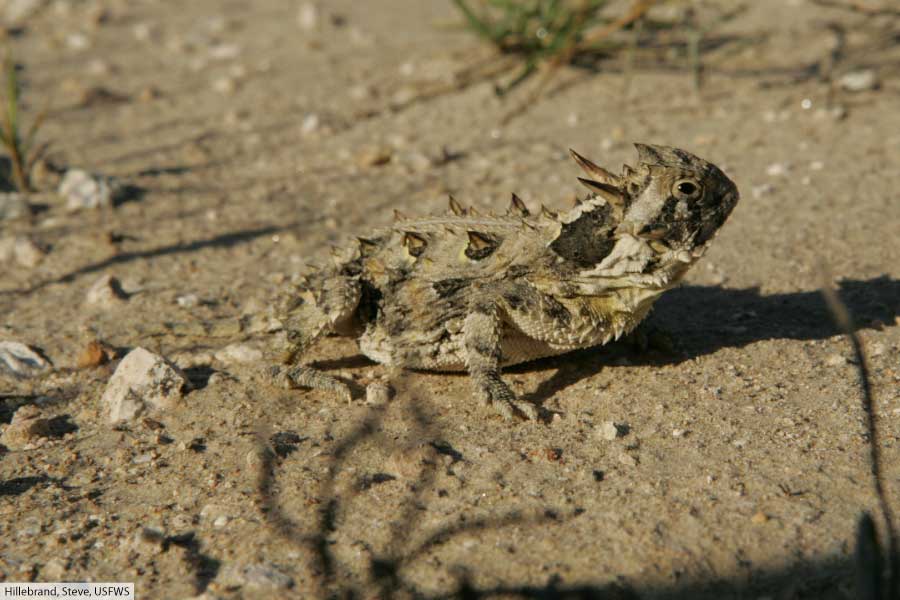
(740, 464)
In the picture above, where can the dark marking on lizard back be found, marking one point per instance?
(481, 245)
(449, 287)
(587, 240)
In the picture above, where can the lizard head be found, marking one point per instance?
(672, 196)
(677, 198)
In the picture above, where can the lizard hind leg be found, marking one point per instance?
(482, 331)
(330, 309)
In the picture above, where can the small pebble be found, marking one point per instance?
(758, 191)
(225, 85)
(54, 569)
(99, 67)
(877, 349)
(144, 458)
(310, 124)
(215, 379)
(187, 300)
(407, 463)
(259, 576)
(224, 51)
(142, 32)
(759, 518)
(82, 190)
(627, 459)
(106, 293)
(29, 527)
(859, 81)
(360, 92)
(374, 156)
(239, 353)
(27, 428)
(308, 16)
(378, 393)
(149, 540)
(94, 354)
(14, 13)
(149, 93)
(608, 431)
(419, 162)
(836, 360)
(13, 206)
(77, 41)
(22, 250)
(777, 169)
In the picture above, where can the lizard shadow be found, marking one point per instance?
(705, 319)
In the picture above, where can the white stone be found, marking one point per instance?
(239, 353)
(19, 360)
(80, 190)
(143, 381)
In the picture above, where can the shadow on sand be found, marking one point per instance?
(705, 319)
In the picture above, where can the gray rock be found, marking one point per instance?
(14, 206)
(82, 190)
(143, 381)
(19, 360)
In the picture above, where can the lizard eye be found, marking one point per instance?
(687, 189)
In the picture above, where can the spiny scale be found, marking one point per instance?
(456, 208)
(595, 171)
(517, 207)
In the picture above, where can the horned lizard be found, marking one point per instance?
(475, 292)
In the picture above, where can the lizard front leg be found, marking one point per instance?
(320, 312)
(482, 337)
